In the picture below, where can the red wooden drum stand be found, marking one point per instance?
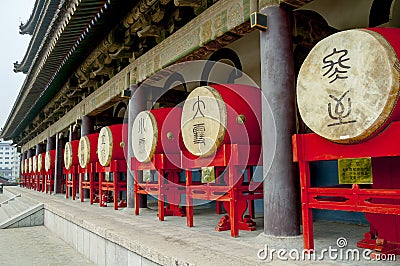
(380, 202)
(167, 188)
(116, 169)
(49, 181)
(232, 188)
(160, 130)
(88, 178)
(71, 181)
(89, 181)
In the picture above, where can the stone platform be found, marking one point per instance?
(109, 237)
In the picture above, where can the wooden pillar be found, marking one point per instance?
(50, 143)
(31, 152)
(72, 135)
(137, 103)
(40, 148)
(59, 164)
(277, 82)
(86, 129)
(87, 125)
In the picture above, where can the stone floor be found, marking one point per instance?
(201, 244)
(36, 246)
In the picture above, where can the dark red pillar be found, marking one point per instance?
(137, 104)
(278, 85)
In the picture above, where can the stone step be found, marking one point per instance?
(3, 215)
(18, 205)
(9, 210)
(29, 202)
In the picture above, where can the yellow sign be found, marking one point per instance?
(208, 175)
(146, 175)
(355, 171)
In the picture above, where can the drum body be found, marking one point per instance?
(221, 114)
(23, 166)
(49, 160)
(156, 132)
(87, 149)
(348, 86)
(40, 162)
(34, 164)
(71, 154)
(30, 165)
(110, 145)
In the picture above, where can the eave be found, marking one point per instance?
(43, 24)
(79, 29)
(30, 25)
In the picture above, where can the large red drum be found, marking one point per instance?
(34, 164)
(26, 166)
(349, 84)
(221, 114)
(30, 165)
(23, 166)
(71, 154)
(110, 145)
(50, 160)
(40, 162)
(156, 132)
(87, 149)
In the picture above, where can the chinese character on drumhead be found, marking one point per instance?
(198, 104)
(335, 64)
(199, 133)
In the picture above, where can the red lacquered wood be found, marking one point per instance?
(381, 202)
(116, 185)
(234, 193)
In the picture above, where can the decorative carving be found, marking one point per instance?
(191, 3)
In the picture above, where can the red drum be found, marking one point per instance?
(348, 86)
(155, 132)
(71, 154)
(221, 114)
(50, 160)
(30, 165)
(110, 145)
(34, 164)
(26, 166)
(23, 166)
(87, 149)
(40, 162)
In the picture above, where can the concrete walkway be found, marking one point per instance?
(36, 246)
(172, 243)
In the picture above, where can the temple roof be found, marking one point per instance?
(77, 27)
(38, 25)
(30, 25)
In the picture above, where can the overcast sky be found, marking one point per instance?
(12, 48)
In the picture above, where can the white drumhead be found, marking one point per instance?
(105, 146)
(68, 155)
(84, 151)
(144, 136)
(40, 162)
(348, 85)
(47, 161)
(203, 121)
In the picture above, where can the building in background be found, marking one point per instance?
(9, 160)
